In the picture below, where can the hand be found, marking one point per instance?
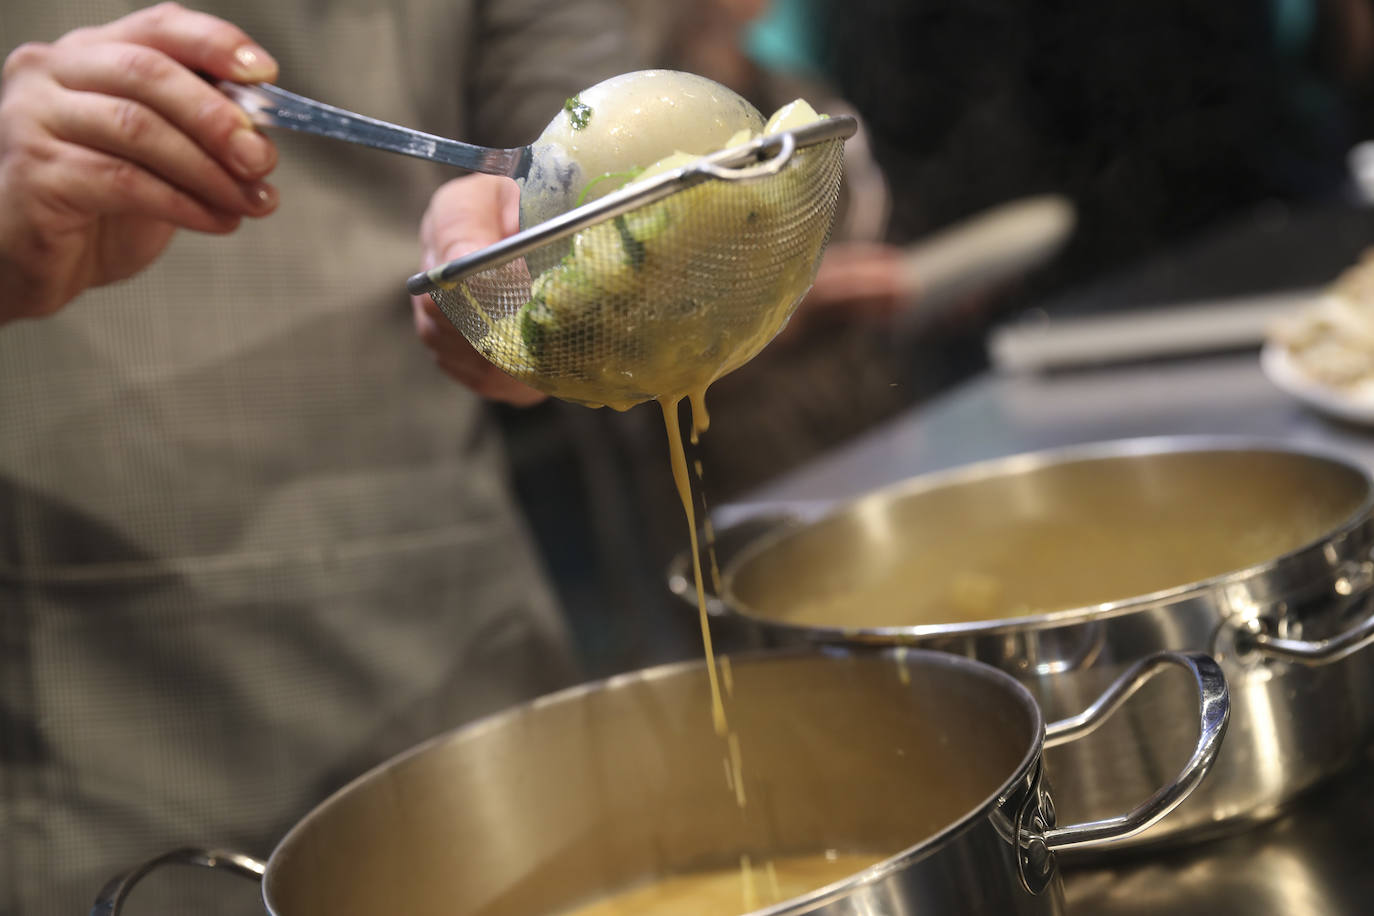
(110, 142)
(862, 278)
(857, 281)
(466, 214)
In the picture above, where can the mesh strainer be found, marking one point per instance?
(661, 287)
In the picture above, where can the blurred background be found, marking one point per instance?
(1021, 166)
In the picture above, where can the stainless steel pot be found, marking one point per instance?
(1284, 612)
(930, 762)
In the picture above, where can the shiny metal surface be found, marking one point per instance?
(271, 106)
(1214, 712)
(1296, 721)
(110, 901)
(930, 760)
(1312, 861)
(1320, 651)
(571, 798)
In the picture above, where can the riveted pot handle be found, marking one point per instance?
(1312, 652)
(1214, 712)
(110, 900)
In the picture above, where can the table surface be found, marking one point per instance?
(1318, 858)
(996, 415)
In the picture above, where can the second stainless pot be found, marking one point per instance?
(928, 764)
(1256, 553)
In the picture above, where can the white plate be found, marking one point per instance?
(1278, 365)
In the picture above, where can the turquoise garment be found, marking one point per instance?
(786, 39)
(1295, 22)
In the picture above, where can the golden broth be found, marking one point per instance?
(730, 891)
(1035, 568)
(1064, 537)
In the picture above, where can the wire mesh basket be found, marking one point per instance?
(659, 288)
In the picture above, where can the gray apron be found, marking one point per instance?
(252, 541)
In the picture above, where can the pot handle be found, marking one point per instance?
(1214, 712)
(1312, 652)
(110, 900)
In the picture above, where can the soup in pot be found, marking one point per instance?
(1067, 535)
(731, 890)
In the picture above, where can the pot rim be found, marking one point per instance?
(1027, 462)
(796, 905)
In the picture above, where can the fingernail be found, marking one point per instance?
(249, 153)
(261, 196)
(253, 63)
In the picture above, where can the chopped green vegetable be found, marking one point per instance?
(537, 323)
(661, 298)
(620, 271)
(634, 248)
(624, 178)
(579, 112)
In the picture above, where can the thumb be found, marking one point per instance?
(469, 213)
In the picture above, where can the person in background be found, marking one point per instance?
(251, 542)
(1159, 119)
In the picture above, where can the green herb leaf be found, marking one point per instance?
(634, 248)
(623, 178)
(579, 113)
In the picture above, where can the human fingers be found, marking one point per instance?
(131, 132)
(860, 279)
(199, 41)
(76, 218)
(71, 182)
(461, 361)
(487, 381)
(150, 79)
(469, 213)
(870, 267)
(107, 113)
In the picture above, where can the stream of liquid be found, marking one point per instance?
(682, 478)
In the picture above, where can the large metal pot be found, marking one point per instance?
(929, 762)
(1259, 555)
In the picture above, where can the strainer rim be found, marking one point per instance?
(699, 171)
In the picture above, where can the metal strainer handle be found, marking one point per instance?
(272, 106)
(771, 166)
